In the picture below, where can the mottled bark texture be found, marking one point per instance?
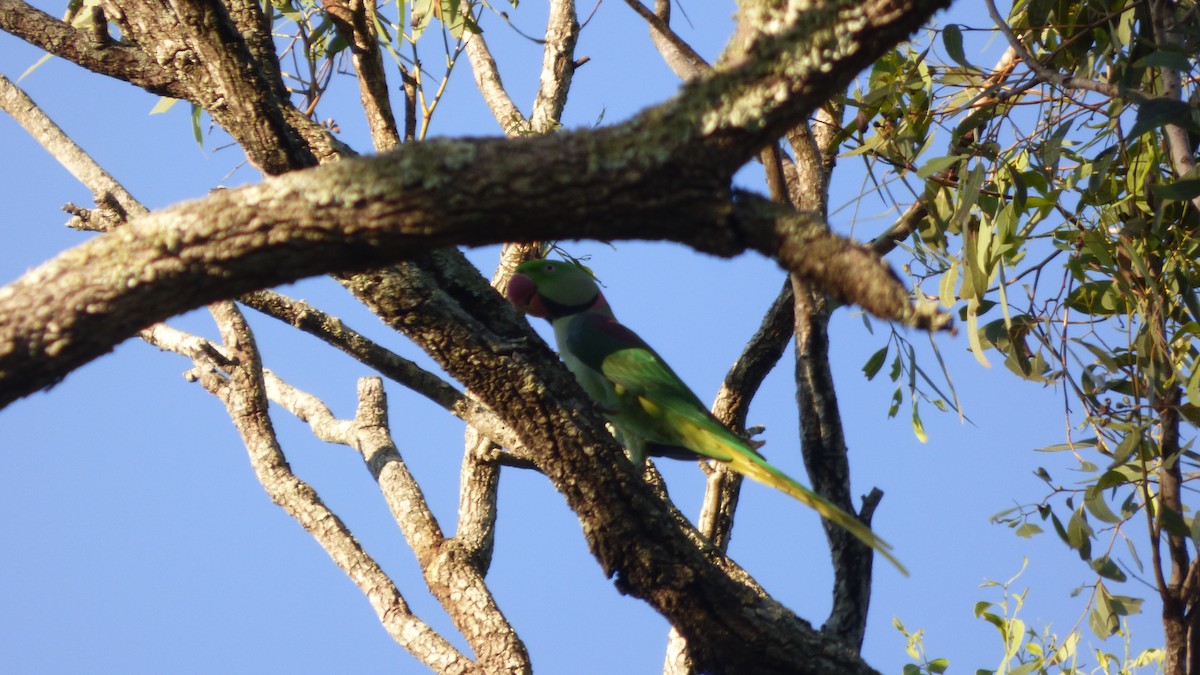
(663, 175)
(733, 624)
(352, 216)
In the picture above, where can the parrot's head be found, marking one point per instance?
(554, 288)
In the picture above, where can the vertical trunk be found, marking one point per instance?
(825, 458)
(1178, 595)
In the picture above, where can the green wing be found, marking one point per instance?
(657, 406)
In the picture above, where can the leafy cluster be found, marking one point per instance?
(1056, 210)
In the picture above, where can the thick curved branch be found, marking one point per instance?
(78, 46)
(361, 213)
(675, 162)
(202, 45)
(469, 330)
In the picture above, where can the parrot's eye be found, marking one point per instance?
(548, 268)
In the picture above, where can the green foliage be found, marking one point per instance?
(916, 650)
(1029, 651)
(1055, 219)
(316, 46)
(910, 377)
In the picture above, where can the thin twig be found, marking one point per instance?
(1054, 77)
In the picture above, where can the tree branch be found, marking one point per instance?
(826, 458)
(243, 394)
(487, 80)
(456, 580)
(356, 19)
(332, 331)
(345, 217)
(106, 191)
(450, 569)
(558, 66)
(212, 57)
(676, 52)
(109, 58)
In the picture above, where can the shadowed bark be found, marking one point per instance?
(383, 224)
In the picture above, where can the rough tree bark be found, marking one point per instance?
(665, 174)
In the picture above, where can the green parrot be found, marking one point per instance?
(652, 410)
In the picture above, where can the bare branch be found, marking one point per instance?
(243, 394)
(677, 53)
(826, 458)
(105, 189)
(310, 410)
(479, 480)
(333, 331)
(454, 578)
(558, 65)
(363, 433)
(479, 483)
(451, 571)
(356, 19)
(78, 46)
(201, 351)
(409, 85)
(487, 80)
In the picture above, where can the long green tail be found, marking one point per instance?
(709, 437)
(769, 475)
(685, 423)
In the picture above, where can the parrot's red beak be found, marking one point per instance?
(522, 293)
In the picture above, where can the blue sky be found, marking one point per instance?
(137, 540)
